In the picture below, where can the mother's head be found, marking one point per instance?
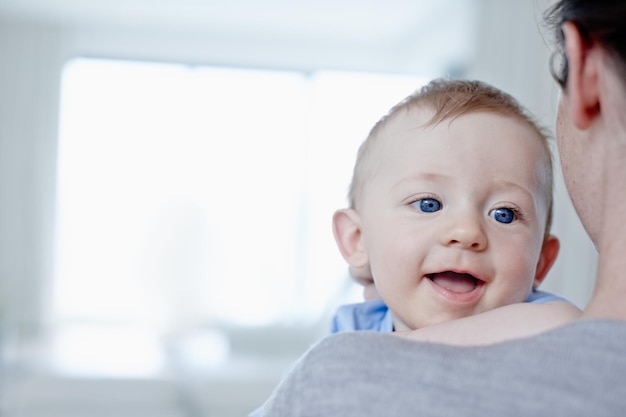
(590, 65)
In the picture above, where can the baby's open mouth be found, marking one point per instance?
(455, 282)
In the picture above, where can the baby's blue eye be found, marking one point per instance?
(503, 215)
(427, 205)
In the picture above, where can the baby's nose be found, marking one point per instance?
(465, 232)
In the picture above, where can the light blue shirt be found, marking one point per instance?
(375, 316)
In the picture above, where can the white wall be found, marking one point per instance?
(29, 95)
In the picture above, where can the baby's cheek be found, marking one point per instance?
(522, 286)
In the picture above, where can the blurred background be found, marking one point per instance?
(168, 173)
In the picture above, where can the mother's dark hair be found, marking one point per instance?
(601, 21)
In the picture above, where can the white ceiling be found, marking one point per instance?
(433, 30)
(353, 19)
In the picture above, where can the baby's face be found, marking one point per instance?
(453, 218)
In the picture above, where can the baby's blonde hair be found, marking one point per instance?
(450, 99)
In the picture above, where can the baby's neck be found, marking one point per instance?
(399, 326)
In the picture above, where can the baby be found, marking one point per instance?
(450, 208)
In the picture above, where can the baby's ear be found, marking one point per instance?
(549, 252)
(347, 231)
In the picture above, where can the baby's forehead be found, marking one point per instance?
(419, 121)
(411, 127)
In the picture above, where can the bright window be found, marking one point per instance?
(199, 194)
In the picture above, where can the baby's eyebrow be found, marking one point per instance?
(506, 185)
(499, 185)
(424, 176)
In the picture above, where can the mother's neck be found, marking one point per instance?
(609, 298)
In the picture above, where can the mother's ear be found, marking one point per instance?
(584, 68)
(347, 231)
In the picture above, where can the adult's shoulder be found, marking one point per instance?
(574, 370)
